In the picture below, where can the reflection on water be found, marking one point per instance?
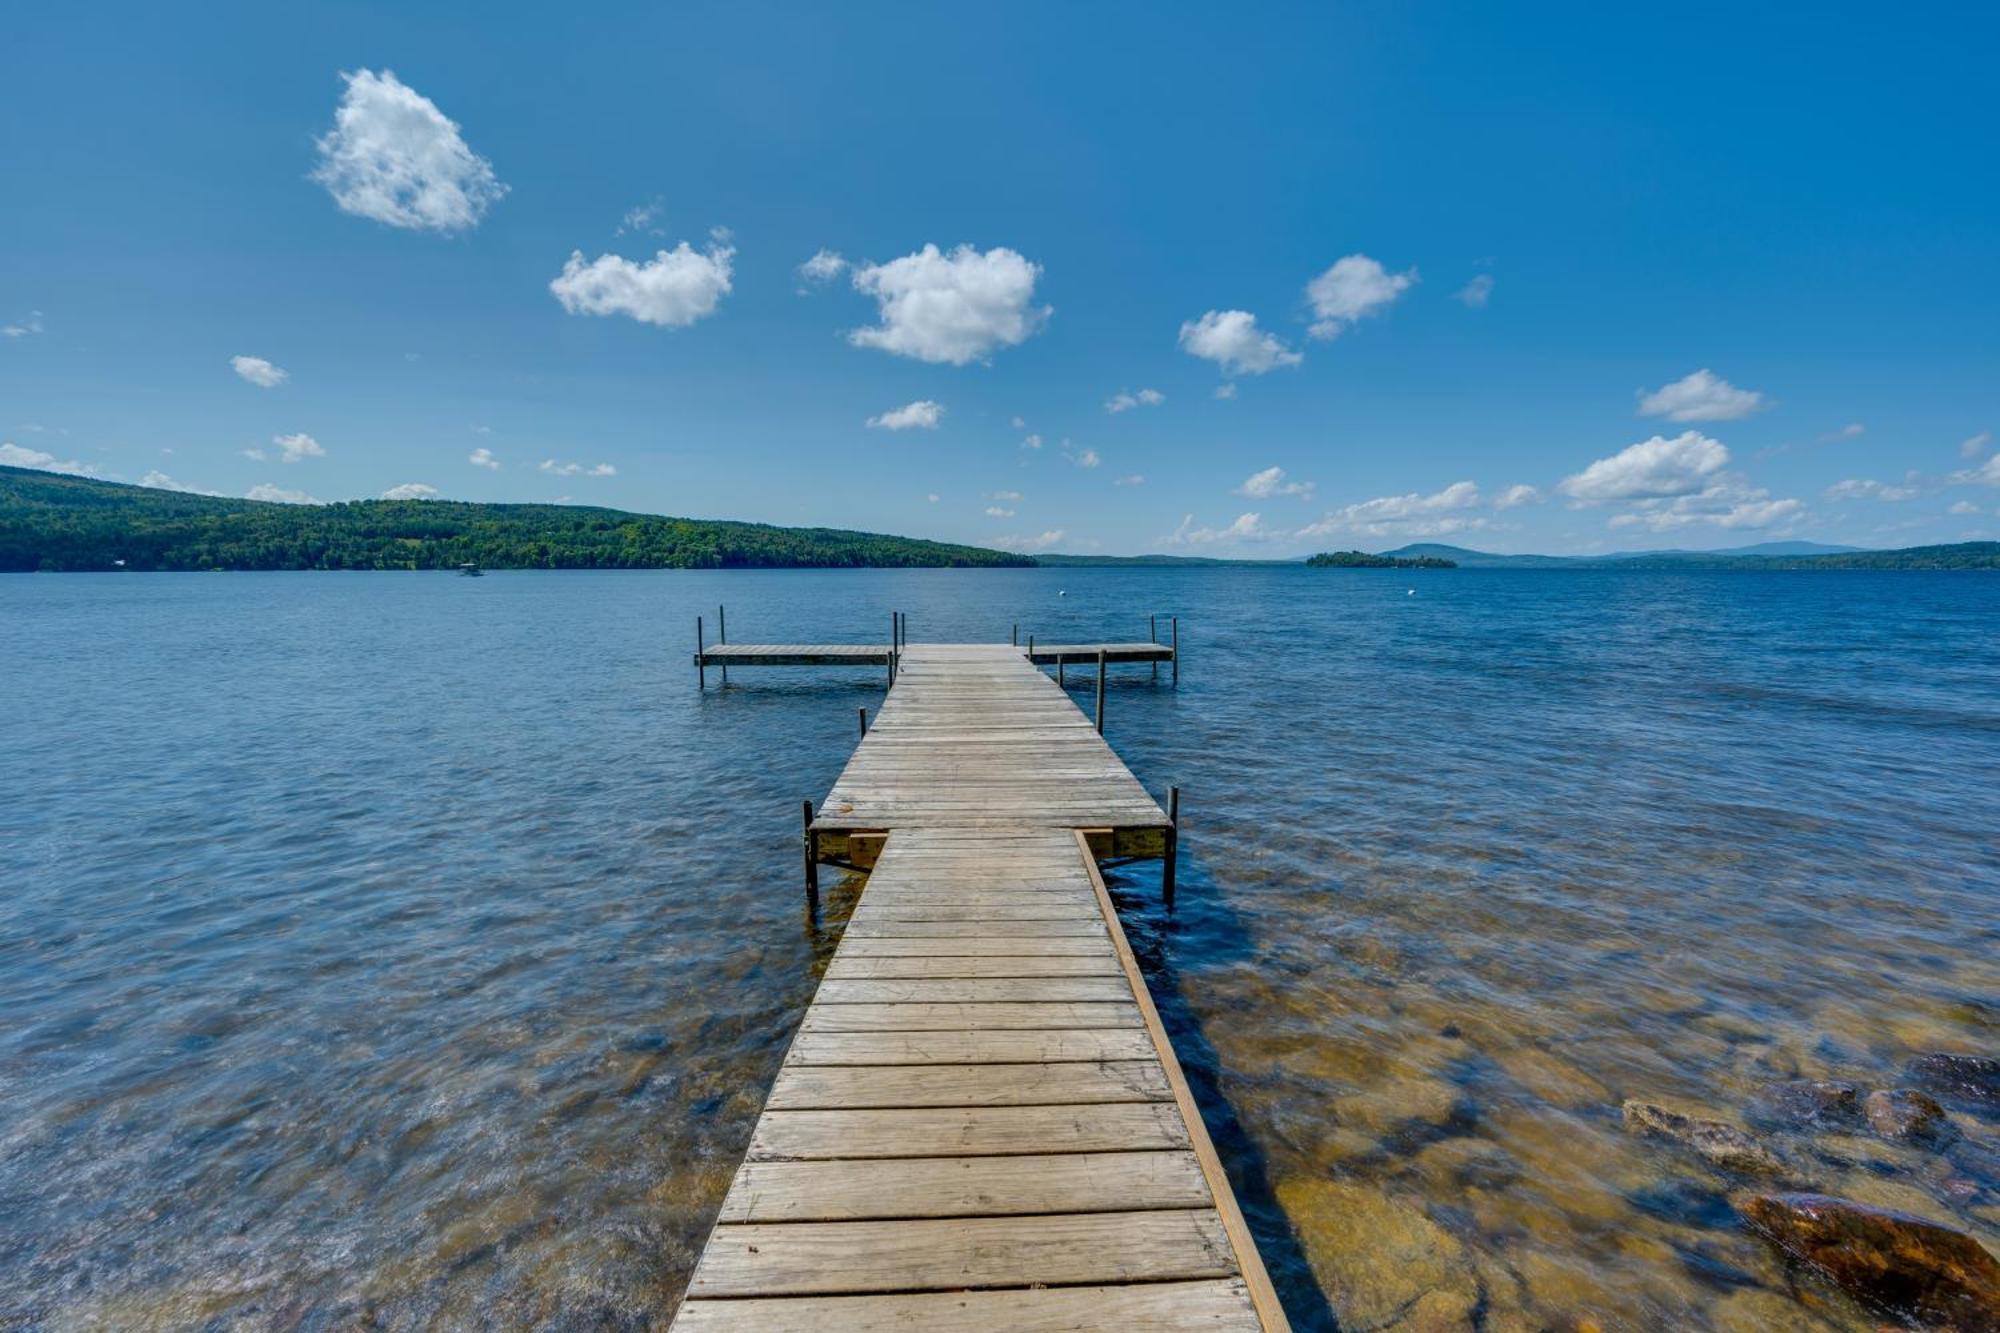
(407, 950)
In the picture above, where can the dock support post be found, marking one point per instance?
(1177, 652)
(700, 657)
(1153, 636)
(1172, 859)
(1059, 672)
(863, 711)
(1015, 637)
(1100, 691)
(810, 843)
(722, 636)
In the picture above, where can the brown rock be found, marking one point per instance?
(1807, 1103)
(1722, 1145)
(1900, 1264)
(1377, 1256)
(1905, 1114)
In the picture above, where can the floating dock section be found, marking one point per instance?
(980, 1123)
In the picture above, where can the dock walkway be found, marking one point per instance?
(980, 1123)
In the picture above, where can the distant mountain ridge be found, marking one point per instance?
(1764, 555)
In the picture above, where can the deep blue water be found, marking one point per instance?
(412, 950)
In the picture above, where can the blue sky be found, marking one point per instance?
(1565, 280)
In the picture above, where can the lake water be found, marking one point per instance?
(409, 951)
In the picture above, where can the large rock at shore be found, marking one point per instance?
(1722, 1145)
(1914, 1269)
(1381, 1260)
(1971, 1081)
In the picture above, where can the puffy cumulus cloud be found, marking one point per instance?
(1963, 507)
(951, 309)
(1649, 469)
(258, 371)
(27, 328)
(278, 495)
(672, 290)
(1271, 481)
(292, 448)
(394, 157)
(920, 415)
(1477, 293)
(1516, 496)
(1976, 445)
(1081, 457)
(1853, 430)
(1246, 528)
(410, 490)
(1354, 288)
(1225, 391)
(553, 468)
(995, 511)
(1032, 442)
(1010, 497)
(483, 457)
(640, 219)
(1987, 474)
(824, 266)
(1125, 402)
(1702, 396)
(1028, 545)
(160, 481)
(1132, 479)
(13, 455)
(1727, 501)
(1874, 490)
(933, 497)
(1232, 340)
(1412, 515)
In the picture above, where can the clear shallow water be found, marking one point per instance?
(409, 950)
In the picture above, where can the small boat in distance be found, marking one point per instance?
(470, 570)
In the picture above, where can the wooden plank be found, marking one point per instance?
(836, 1191)
(851, 1087)
(857, 967)
(964, 990)
(1219, 1305)
(1004, 1046)
(785, 1258)
(891, 928)
(995, 946)
(977, 1016)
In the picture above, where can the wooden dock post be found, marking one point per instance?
(722, 636)
(1100, 691)
(700, 656)
(1060, 682)
(811, 846)
(1172, 860)
(1015, 638)
(1153, 636)
(863, 711)
(1177, 652)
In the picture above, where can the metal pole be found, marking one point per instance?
(864, 722)
(700, 657)
(1177, 652)
(722, 636)
(1153, 636)
(810, 843)
(1100, 691)
(1173, 856)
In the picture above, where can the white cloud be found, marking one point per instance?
(554, 468)
(920, 415)
(294, 448)
(1411, 515)
(1125, 402)
(932, 497)
(1702, 396)
(1651, 468)
(1041, 541)
(259, 372)
(602, 470)
(824, 266)
(1860, 490)
(1476, 293)
(1246, 528)
(27, 328)
(1133, 480)
(160, 481)
(483, 457)
(410, 490)
(1082, 457)
(1987, 474)
(995, 511)
(1271, 481)
(1008, 496)
(1019, 423)
(253, 452)
(1354, 288)
(952, 308)
(673, 290)
(1032, 442)
(394, 157)
(1516, 496)
(1851, 431)
(482, 430)
(1975, 446)
(1232, 340)
(278, 494)
(1728, 501)
(1225, 391)
(1963, 507)
(13, 455)
(640, 219)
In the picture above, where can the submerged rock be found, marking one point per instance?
(1905, 1114)
(1919, 1270)
(1380, 1260)
(1807, 1104)
(1967, 1080)
(1722, 1145)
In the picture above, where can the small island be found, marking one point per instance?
(1363, 560)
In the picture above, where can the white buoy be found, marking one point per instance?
(1062, 592)
(1412, 592)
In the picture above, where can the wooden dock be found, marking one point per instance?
(980, 1123)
